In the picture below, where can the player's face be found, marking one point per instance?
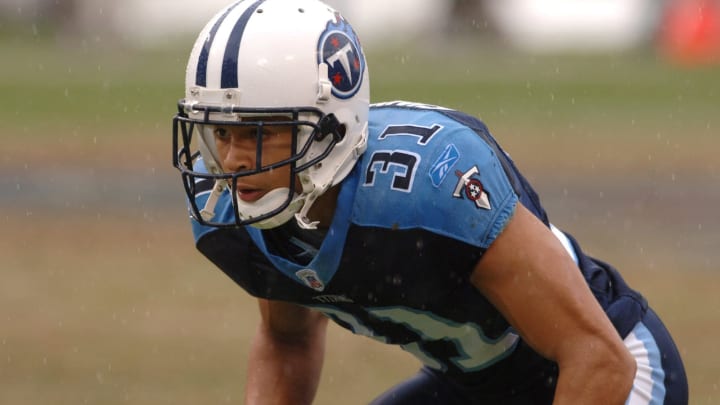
(237, 150)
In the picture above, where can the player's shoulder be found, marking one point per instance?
(425, 128)
(406, 111)
(434, 168)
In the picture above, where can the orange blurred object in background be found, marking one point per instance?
(690, 32)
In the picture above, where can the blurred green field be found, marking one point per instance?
(104, 301)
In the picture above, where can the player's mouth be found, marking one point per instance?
(249, 194)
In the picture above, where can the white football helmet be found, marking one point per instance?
(299, 60)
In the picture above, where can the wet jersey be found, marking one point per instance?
(413, 218)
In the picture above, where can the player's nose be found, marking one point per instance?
(240, 156)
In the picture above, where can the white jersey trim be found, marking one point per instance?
(648, 386)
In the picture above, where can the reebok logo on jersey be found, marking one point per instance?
(444, 164)
(472, 188)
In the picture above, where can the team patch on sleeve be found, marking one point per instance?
(471, 188)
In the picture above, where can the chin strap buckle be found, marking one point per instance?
(324, 85)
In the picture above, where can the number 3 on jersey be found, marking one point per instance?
(405, 162)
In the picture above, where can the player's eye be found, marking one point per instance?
(221, 133)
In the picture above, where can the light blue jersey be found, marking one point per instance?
(413, 218)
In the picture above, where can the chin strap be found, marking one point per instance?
(301, 217)
(273, 200)
(208, 211)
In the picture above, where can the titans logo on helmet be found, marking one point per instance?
(340, 49)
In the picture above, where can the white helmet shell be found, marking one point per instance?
(275, 54)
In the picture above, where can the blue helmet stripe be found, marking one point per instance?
(230, 60)
(201, 73)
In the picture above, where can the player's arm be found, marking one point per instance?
(530, 278)
(286, 355)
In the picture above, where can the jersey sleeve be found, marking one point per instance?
(434, 173)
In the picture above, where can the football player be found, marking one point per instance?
(403, 222)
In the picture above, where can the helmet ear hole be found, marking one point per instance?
(342, 130)
(329, 125)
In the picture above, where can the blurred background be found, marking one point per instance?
(609, 107)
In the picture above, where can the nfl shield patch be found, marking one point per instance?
(311, 279)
